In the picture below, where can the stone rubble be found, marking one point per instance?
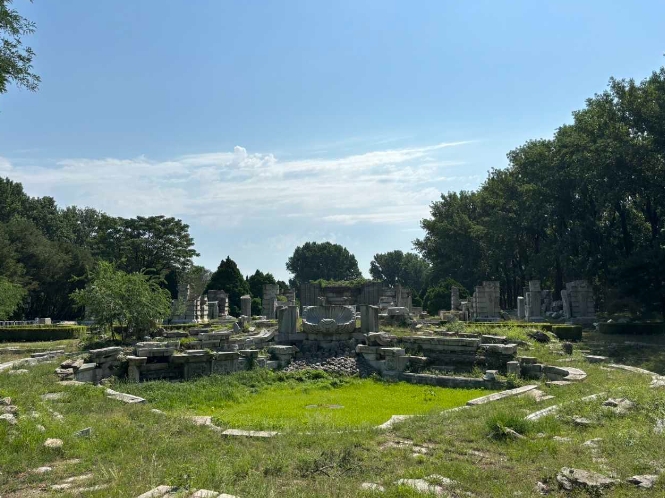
(330, 363)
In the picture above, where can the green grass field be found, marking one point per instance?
(132, 449)
(264, 400)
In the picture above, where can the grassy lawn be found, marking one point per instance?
(67, 344)
(132, 449)
(264, 400)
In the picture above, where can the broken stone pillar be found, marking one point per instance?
(269, 301)
(213, 310)
(369, 318)
(565, 299)
(581, 301)
(520, 308)
(246, 306)
(485, 301)
(287, 322)
(455, 303)
(533, 302)
(290, 297)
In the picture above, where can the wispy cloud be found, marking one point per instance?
(391, 186)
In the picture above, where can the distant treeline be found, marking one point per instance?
(46, 251)
(586, 204)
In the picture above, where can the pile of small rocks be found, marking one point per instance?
(334, 364)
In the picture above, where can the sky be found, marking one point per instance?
(267, 124)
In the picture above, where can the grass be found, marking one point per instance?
(68, 345)
(264, 400)
(133, 449)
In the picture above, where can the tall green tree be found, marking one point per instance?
(396, 267)
(228, 278)
(587, 203)
(257, 281)
(327, 261)
(15, 58)
(11, 296)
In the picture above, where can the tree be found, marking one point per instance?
(11, 296)
(387, 266)
(257, 281)
(134, 300)
(15, 59)
(156, 244)
(438, 298)
(197, 277)
(586, 204)
(228, 278)
(395, 267)
(327, 261)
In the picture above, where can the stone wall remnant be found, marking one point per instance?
(369, 318)
(485, 302)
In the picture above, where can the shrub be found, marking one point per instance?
(568, 332)
(40, 333)
(632, 328)
(438, 298)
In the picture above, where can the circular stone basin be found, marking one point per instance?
(328, 320)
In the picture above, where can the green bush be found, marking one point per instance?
(632, 328)
(547, 327)
(568, 332)
(40, 333)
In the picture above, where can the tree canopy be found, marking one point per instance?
(48, 250)
(322, 261)
(228, 278)
(588, 203)
(396, 267)
(15, 58)
(257, 281)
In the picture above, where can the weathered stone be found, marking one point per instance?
(371, 486)
(42, 470)
(84, 432)
(571, 478)
(125, 398)
(643, 481)
(503, 394)
(620, 406)
(53, 443)
(158, 492)
(243, 433)
(246, 306)
(9, 418)
(53, 396)
(369, 319)
(595, 359)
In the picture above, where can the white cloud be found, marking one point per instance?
(392, 186)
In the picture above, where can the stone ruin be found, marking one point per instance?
(218, 300)
(370, 293)
(578, 302)
(195, 307)
(326, 331)
(484, 305)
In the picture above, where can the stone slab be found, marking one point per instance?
(503, 394)
(125, 398)
(243, 433)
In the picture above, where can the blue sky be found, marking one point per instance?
(267, 124)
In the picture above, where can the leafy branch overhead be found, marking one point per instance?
(15, 58)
